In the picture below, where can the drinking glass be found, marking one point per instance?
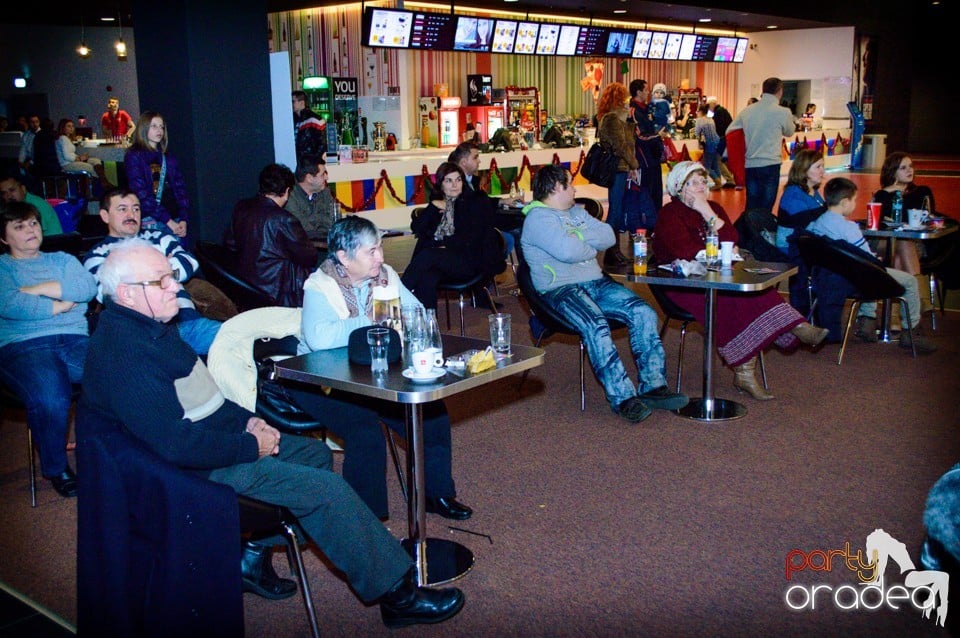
(500, 332)
(378, 339)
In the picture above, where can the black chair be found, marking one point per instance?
(592, 206)
(219, 267)
(259, 520)
(865, 273)
(553, 322)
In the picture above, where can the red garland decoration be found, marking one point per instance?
(385, 179)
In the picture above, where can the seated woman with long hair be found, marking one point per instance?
(745, 323)
(896, 174)
(456, 239)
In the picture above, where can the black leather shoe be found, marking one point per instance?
(449, 508)
(65, 483)
(406, 604)
(258, 575)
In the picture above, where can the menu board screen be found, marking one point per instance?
(591, 40)
(526, 38)
(741, 51)
(620, 42)
(547, 41)
(672, 50)
(687, 46)
(642, 44)
(705, 48)
(567, 43)
(473, 34)
(726, 47)
(389, 28)
(658, 42)
(504, 33)
(432, 31)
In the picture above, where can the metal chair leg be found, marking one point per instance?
(763, 372)
(846, 333)
(294, 550)
(33, 469)
(462, 330)
(913, 345)
(392, 445)
(583, 394)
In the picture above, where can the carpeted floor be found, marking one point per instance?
(601, 528)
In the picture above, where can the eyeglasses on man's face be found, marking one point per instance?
(165, 280)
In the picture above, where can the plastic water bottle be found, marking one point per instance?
(896, 209)
(640, 252)
(712, 247)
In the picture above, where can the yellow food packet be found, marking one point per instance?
(481, 361)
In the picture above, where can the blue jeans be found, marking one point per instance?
(615, 193)
(762, 184)
(711, 162)
(199, 333)
(588, 306)
(41, 372)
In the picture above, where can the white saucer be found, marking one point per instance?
(433, 375)
(909, 227)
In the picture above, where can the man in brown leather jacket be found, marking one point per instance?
(273, 250)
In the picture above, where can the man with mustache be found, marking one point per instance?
(120, 210)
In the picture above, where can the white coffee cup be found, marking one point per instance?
(437, 357)
(916, 216)
(423, 361)
(726, 254)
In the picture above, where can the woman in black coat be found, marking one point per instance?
(456, 239)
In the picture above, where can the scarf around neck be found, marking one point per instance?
(338, 273)
(446, 228)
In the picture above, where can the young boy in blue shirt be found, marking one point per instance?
(840, 196)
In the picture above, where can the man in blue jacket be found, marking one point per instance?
(140, 375)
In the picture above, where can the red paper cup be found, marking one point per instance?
(873, 215)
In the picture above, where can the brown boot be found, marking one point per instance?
(102, 175)
(746, 381)
(810, 335)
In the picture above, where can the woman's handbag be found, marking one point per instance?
(600, 164)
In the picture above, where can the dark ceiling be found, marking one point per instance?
(726, 14)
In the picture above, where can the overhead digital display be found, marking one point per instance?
(402, 29)
(432, 31)
(547, 41)
(741, 51)
(658, 42)
(687, 47)
(504, 34)
(726, 48)
(705, 48)
(620, 42)
(642, 44)
(591, 40)
(388, 28)
(526, 38)
(567, 42)
(473, 34)
(672, 50)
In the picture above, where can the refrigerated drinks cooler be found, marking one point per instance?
(486, 120)
(440, 121)
(521, 107)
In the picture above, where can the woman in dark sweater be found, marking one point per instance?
(456, 239)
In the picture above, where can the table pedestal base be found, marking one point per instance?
(445, 561)
(712, 410)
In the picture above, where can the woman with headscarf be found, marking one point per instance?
(745, 323)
